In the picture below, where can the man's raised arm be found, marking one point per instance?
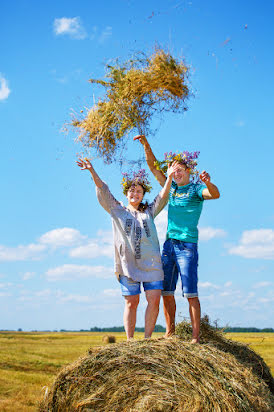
(150, 159)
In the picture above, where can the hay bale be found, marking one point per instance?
(212, 336)
(158, 375)
(108, 339)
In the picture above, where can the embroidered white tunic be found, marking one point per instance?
(136, 244)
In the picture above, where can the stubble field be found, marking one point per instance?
(29, 361)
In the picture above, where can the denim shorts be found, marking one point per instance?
(130, 287)
(180, 257)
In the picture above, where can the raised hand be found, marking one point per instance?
(172, 168)
(84, 164)
(205, 177)
(142, 139)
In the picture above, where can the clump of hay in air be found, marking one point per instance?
(108, 339)
(135, 91)
(159, 375)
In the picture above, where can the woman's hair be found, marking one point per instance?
(142, 206)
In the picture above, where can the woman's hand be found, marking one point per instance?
(84, 164)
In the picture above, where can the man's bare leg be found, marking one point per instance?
(169, 312)
(152, 310)
(195, 316)
(131, 304)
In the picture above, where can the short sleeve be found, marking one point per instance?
(106, 199)
(199, 190)
(157, 205)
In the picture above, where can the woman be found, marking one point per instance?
(137, 251)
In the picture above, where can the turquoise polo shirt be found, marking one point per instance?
(184, 210)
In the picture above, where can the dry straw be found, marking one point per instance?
(108, 339)
(163, 375)
(135, 90)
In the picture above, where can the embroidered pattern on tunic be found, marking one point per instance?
(138, 235)
(128, 225)
(146, 228)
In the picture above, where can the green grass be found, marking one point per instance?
(29, 361)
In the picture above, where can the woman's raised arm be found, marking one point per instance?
(86, 165)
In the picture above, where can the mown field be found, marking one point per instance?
(29, 361)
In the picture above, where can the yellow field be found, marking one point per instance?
(29, 361)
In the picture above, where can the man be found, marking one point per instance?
(180, 255)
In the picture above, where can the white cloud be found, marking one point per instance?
(4, 294)
(208, 233)
(5, 285)
(71, 26)
(62, 237)
(208, 285)
(106, 33)
(161, 225)
(4, 88)
(32, 252)
(101, 246)
(112, 293)
(43, 293)
(255, 244)
(73, 272)
(75, 298)
(263, 284)
(28, 275)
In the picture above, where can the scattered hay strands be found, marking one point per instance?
(135, 90)
(159, 375)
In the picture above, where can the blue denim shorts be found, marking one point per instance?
(180, 257)
(130, 287)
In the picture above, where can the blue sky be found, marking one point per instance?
(56, 264)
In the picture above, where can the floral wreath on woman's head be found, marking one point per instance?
(134, 179)
(186, 158)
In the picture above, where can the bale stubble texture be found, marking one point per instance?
(159, 375)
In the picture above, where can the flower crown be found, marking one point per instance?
(136, 178)
(186, 158)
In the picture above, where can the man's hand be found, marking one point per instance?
(211, 191)
(142, 139)
(205, 177)
(172, 168)
(84, 164)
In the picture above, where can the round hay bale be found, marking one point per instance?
(109, 339)
(213, 336)
(158, 375)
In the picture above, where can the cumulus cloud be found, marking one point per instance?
(73, 272)
(28, 252)
(62, 237)
(69, 26)
(4, 88)
(161, 225)
(101, 246)
(208, 233)
(208, 285)
(255, 244)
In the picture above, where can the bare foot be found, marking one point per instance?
(195, 340)
(169, 335)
